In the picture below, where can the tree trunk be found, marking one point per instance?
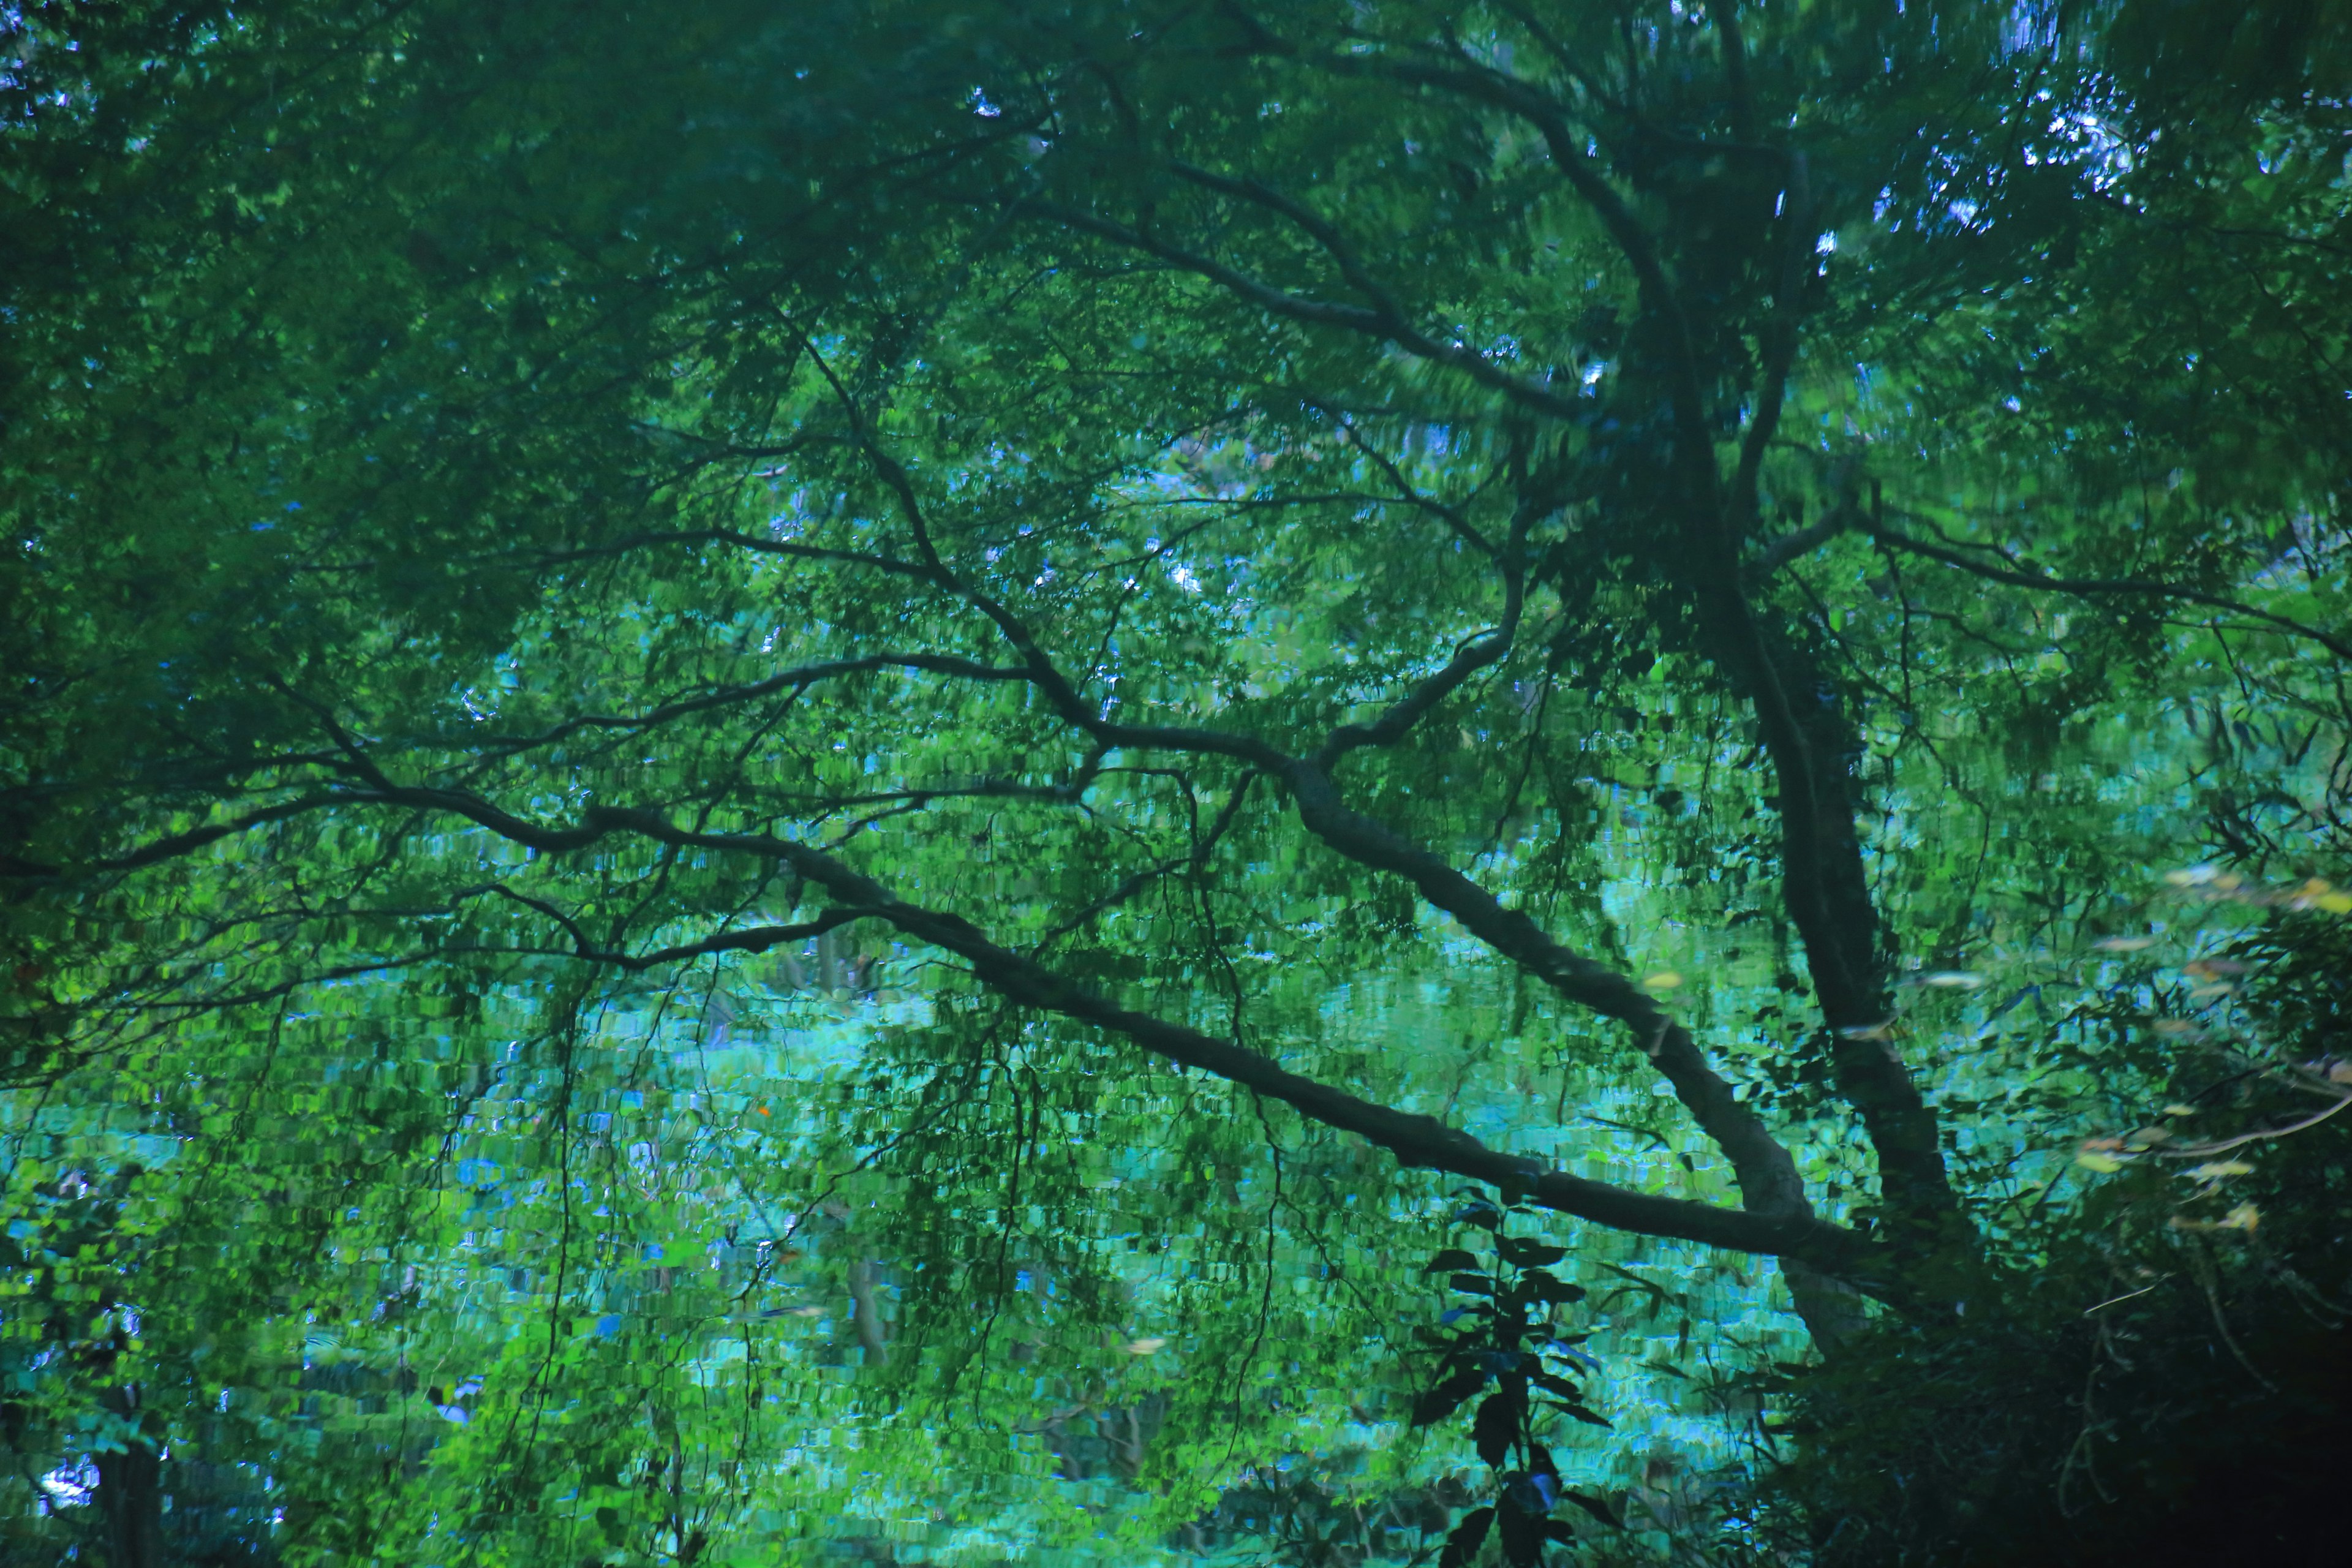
(130, 1495)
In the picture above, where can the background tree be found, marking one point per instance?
(980, 666)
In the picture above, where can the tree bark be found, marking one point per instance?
(130, 1495)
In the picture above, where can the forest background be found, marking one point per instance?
(1137, 781)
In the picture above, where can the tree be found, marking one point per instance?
(1191, 557)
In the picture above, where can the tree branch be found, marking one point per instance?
(1370, 322)
(1821, 864)
(1451, 515)
(1477, 654)
(1415, 1139)
(749, 939)
(1767, 1176)
(1826, 893)
(1780, 333)
(795, 680)
(1324, 232)
(2097, 588)
(790, 549)
(1788, 546)
(174, 844)
(1041, 670)
(1498, 91)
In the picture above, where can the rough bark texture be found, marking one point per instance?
(130, 1495)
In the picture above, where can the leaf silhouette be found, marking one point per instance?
(1436, 1404)
(1496, 1427)
(1467, 1537)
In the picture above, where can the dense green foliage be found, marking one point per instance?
(1135, 782)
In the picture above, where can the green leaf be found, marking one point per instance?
(1522, 1253)
(1462, 1543)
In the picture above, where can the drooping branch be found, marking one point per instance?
(795, 680)
(1450, 515)
(1769, 1184)
(744, 938)
(2106, 587)
(1324, 232)
(1039, 667)
(1370, 321)
(171, 846)
(1768, 1175)
(1414, 1138)
(1479, 653)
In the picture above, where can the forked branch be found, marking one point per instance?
(1415, 1139)
(2107, 587)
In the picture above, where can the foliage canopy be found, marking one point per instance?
(783, 780)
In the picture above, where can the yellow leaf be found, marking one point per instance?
(2220, 988)
(2317, 893)
(2245, 1216)
(2105, 1165)
(1144, 1346)
(2177, 1109)
(1955, 978)
(2216, 1169)
(2122, 944)
(1664, 980)
(2147, 1136)
(2334, 903)
(2341, 1072)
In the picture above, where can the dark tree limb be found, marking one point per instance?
(747, 939)
(172, 845)
(1823, 882)
(1415, 1139)
(1451, 515)
(2105, 587)
(1790, 546)
(1782, 333)
(1768, 1175)
(792, 549)
(1368, 321)
(1324, 232)
(792, 680)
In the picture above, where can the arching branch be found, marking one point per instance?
(2107, 587)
